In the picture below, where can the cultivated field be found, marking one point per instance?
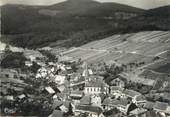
(124, 49)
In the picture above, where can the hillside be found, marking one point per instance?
(71, 23)
(124, 49)
(153, 19)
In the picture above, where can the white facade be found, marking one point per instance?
(92, 90)
(96, 100)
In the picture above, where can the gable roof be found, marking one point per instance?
(116, 88)
(138, 111)
(86, 100)
(140, 98)
(50, 90)
(57, 113)
(76, 94)
(122, 102)
(88, 108)
(114, 102)
(107, 101)
(131, 93)
(95, 83)
(57, 103)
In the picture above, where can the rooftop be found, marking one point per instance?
(138, 111)
(57, 113)
(140, 98)
(115, 102)
(88, 108)
(131, 93)
(117, 88)
(86, 100)
(95, 83)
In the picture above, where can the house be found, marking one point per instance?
(21, 96)
(64, 106)
(9, 97)
(76, 96)
(118, 82)
(32, 54)
(49, 90)
(55, 97)
(56, 104)
(106, 104)
(28, 63)
(138, 112)
(139, 100)
(62, 96)
(96, 100)
(47, 48)
(92, 111)
(116, 91)
(162, 108)
(75, 77)
(56, 113)
(130, 93)
(87, 72)
(1, 55)
(40, 63)
(61, 88)
(59, 79)
(8, 73)
(86, 100)
(123, 105)
(95, 87)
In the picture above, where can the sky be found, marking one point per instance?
(145, 4)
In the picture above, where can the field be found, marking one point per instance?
(124, 49)
(161, 67)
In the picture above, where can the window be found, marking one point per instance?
(87, 89)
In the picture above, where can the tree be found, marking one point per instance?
(13, 60)
(7, 49)
(35, 67)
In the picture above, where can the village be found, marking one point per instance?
(59, 86)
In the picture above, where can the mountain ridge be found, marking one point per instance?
(73, 25)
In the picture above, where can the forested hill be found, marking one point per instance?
(153, 19)
(71, 23)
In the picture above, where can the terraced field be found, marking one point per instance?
(124, 49)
